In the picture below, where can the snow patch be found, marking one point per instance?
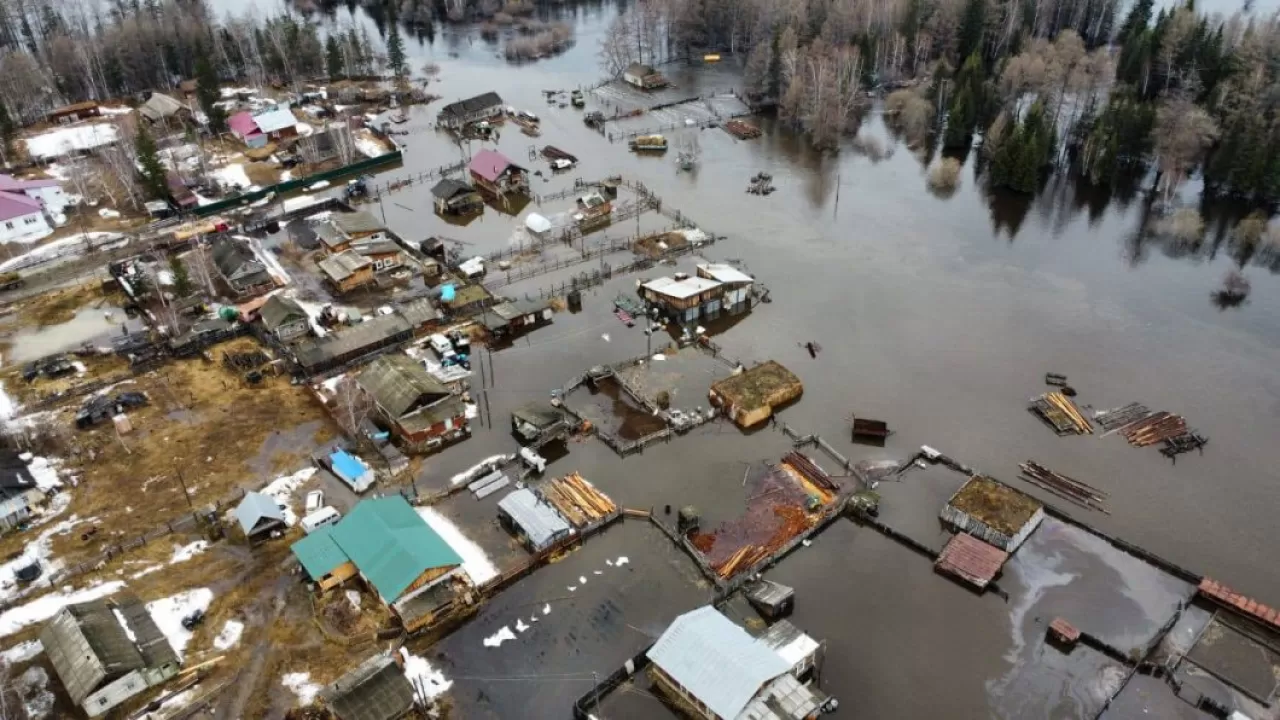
(37, 550)
(69, 246)
(427, 682)
(124, 623)
(168, 613)
(622, 560)
(232, 175)
(479, 469)
(36, 698)
(282, 488)
(369, 147)
(46, 606)
(22, 652)
(546, 609)
(301, 685)
(496, 639)
(269, 260)
(353, 597)
(520, 626)
(229, 636)
(67, 140)
(43, 470)
(114, 110)
(183, 553)
(474, 560)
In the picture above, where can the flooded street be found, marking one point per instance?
(939, 316)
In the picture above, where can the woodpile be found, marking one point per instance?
(811, 472)
(1154, 429)
(1067, 488)
(578, 500)
(1117, 418)
(1058, 410)
(743, 558)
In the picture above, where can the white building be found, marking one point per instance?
(22, 219)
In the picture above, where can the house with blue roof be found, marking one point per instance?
(385, 543)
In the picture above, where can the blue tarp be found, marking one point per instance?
(447, 293)
(347, 465)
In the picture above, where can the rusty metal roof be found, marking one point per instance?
(971, 559)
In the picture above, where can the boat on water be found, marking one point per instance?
(649, 143)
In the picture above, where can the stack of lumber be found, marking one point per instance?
(578, 500)
(810, 470)
(1154, 429)
(1082, 494)
(1119, 417)
(1058, 410)
(746, 557)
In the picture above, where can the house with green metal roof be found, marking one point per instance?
(386, 543)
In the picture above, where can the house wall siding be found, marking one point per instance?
(24, 226)
(340, 575)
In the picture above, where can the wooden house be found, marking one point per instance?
(454, 197)
(347, 270)
(643, 76)
(421, 413)
(493, 173)
(456, 115)
(684, 299)
(78, 111)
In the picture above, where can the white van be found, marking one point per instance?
(441, 345)
(324, 516)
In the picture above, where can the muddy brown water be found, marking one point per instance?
(941, 317)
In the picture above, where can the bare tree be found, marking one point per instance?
(1183, 132)
(352, 405)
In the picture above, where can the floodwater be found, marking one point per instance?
(937, 315)
(88, 325)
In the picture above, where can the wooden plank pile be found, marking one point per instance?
(811, 472)
(1175, 446)
(1062, 414)
(1070, 489)
(1117, 418)
(578, 500)
(1154, 429)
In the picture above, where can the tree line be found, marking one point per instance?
(89, 51)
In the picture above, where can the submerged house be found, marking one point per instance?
(421, 413)
(534, 520)
(515, 317)
(748, 398)
(993, 512)
(392, 549)
(711, 668)
(454, 197)
(107, 651)
(643, 76)
(684, 299)
(456, 115)
(735, 285)
(494, 173)
(238, 266)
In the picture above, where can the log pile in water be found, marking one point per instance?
(1058, 410)
(1154, 429)
(1119, 417)
(1082, 494)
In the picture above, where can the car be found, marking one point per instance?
(315, 501)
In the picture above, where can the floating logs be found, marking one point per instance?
(1117, 418)
(1155, 429)
(1070, 489)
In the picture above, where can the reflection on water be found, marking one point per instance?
(89, 324)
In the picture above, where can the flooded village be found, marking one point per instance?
(536, 384)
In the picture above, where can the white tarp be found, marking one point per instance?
(537, 224)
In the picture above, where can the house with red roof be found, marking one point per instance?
(495, 174)
(256, 130)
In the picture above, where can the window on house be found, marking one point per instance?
(31, 220)
(102, 701)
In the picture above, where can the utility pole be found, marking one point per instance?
(183, 481)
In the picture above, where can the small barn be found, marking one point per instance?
(68, 114)
(347, 271)
(993, 512)
(535, 521)
(259, 515)
(750, 397)
(376, 689)
(107, 651)
(643, 76)
(284, 318)
(454, 197)
(421, 412)
(538, 422)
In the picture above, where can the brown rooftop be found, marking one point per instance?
(971, 559)
(995, 504)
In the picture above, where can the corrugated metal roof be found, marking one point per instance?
(318, 553)
(358, 222)
(715, 660)
(971, 559)
(537, 519)
(788, 642)
(785, 698)
(254, 508)
(391, 544)
(725, 273)
(375, 690)
(400, 385)
(275, 119)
